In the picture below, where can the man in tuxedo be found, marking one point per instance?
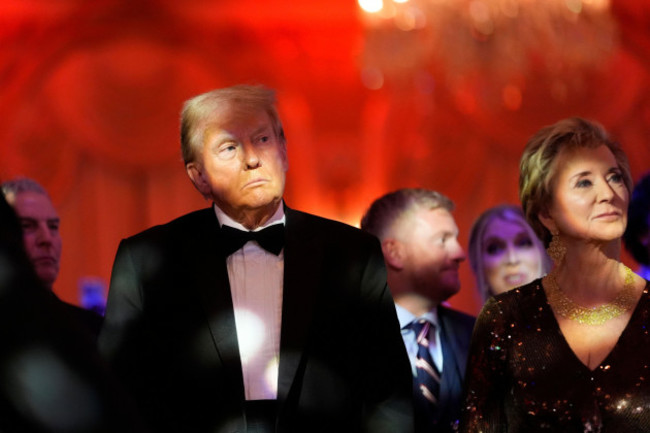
(249, 316)
(419, 240)
(42, 241)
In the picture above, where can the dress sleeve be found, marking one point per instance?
(486, 378)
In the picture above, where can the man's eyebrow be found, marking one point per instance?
(262, 128)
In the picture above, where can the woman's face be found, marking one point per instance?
(590, 199)
(510, 257)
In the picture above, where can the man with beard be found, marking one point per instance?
(419, 240)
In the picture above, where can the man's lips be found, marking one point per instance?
(255, 182)
(45, 260)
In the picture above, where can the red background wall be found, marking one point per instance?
(91, 93)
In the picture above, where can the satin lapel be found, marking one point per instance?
(303, 262)
(210, 276)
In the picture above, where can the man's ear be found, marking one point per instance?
(195, 172)
(393, 253)
(285, 158)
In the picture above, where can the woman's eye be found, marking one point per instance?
(524, 242)
(583, 183)
(493, 248)
(616, 178)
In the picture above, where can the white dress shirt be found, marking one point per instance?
(256, 282)
(408, 335)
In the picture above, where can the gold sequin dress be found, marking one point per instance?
(523, 377)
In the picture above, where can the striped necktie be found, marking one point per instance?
(428, 375)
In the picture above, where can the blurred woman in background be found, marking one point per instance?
(504, 251)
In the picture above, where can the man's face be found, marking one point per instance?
(432, 253)
(242, 163)
(40, 224)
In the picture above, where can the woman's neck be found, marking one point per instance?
(591, 273)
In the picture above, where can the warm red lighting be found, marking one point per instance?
(512, 97)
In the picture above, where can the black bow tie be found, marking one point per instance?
(271, 238)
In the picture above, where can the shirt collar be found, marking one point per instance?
(223, 219)
(405, 317)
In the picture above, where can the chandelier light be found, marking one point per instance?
(497, 41)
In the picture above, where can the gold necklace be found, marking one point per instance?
(565, 307)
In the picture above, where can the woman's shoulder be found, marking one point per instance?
(644, 301)
(532, 290)
(518, 301)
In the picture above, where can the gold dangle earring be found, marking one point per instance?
(556, 249)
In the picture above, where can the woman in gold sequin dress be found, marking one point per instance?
(569, 352)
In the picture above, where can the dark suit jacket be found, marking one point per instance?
(89, 321)
(456, 333)
(53, 380)
(169, 331)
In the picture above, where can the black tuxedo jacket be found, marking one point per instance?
(169, 331)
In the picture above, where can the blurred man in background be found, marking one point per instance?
(40, 223)
(419, 240)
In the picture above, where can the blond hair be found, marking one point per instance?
(199, 111)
